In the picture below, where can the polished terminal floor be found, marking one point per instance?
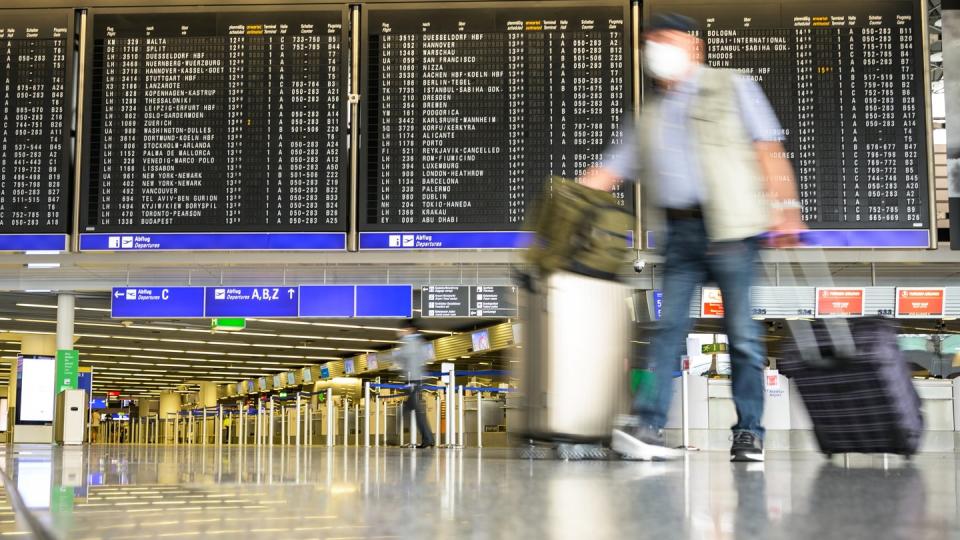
(139, 492)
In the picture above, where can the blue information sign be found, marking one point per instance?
(445, 240)
(657, 304)
(319, 241)
(251, 301)
(384, 301)
(327, 300)
(33, 242)
(324, 372)
(156, 302)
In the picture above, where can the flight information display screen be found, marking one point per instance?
(846, 80)
(36, 89)
(470, 110)
(213, 122)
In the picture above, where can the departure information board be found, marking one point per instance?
(227, 122)
(846, 80)
(36, 74)
(470, 110)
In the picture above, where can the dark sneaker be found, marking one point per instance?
(747, 447)
(642, 443)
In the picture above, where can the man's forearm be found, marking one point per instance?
(781, 185)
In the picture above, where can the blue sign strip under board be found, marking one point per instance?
(33, 242)
(321, 241)
(833, 238)
(400, 241)
(342, 301)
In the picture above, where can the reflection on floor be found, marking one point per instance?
(10, 525)
(120, 492)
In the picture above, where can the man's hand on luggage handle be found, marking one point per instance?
(599, 178)
(787, 228)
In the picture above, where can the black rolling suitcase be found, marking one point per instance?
(856, 385)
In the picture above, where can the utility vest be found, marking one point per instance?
(735, 205)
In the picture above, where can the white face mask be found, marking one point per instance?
(665, 62)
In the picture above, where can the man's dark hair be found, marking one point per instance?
(671, 21)
(413, 323)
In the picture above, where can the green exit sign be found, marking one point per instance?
(713, 348)
(229, 324)
(283, 394)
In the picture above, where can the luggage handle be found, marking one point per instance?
(838, 328)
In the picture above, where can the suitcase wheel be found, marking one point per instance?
(533, 451)
(578, 452)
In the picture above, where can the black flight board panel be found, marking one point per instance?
(470, 110)
(846, 81)
(36, 73)
(224, 121)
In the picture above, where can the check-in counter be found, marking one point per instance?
(937, 398)
(776, 416)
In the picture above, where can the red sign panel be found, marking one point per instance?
(920, 301)
(840, 302)
(711, 303)
(113, 393)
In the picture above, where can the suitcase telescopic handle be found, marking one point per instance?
(810, 349)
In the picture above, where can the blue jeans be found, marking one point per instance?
(691, 260)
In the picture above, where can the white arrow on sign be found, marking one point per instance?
(117, 294)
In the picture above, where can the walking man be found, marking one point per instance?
(707, 148)
(412, 356)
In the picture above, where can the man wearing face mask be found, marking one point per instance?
(707, 149)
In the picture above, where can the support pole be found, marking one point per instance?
(356, 424)
(479, 420)
(451, 411)
(366, 415)
(203, 431)
(436, 414)
(298, 421)
(400, 417)
(330, 419)
(345, 404)
(460, 418)
(272, 415)
(376, 421)
(413, 428)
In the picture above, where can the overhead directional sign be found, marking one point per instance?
(344, 301)
(487, 301)
(252, 301)
(156, 302)
(468, 301)
(384, 301)
(445, 301)
(327, 300)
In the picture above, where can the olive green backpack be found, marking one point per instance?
(579, 229)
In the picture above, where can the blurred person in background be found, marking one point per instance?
(412, 356)
(707, 148)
